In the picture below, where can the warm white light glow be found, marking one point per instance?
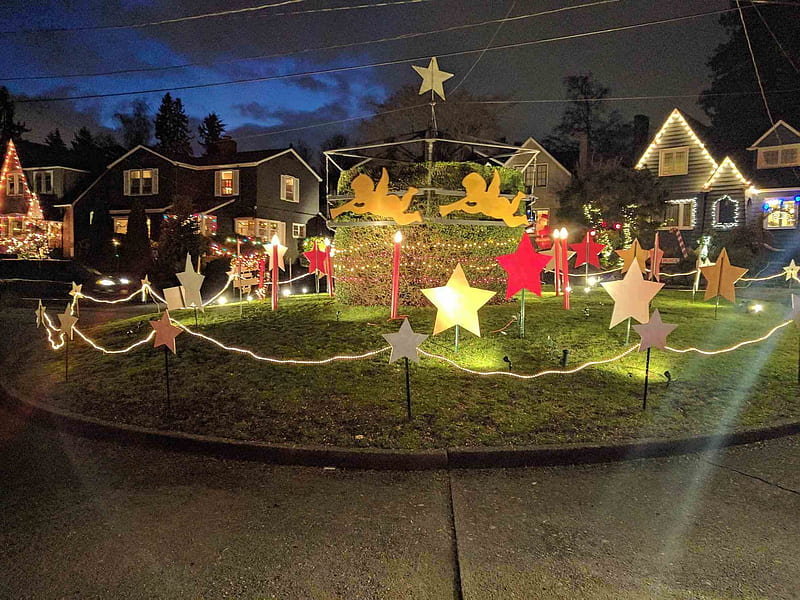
(398, 237)
(105, 282)
(563, 233)
(757, 308)
(286, 292)
(304, 290)
(592, 281)
(556, 234)
(222, 300)
(275, 241)
(124, 280)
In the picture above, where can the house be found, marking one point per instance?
(543, 174)
(703, 195)
(255, 194)
(28, 228)
(777, 183)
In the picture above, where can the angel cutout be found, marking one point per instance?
(485, 199)
(375, 199)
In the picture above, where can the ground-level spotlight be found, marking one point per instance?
(249, 298)
(286, 292)
(304, 290)
(757, 308)
(592, 281)
(222, 300)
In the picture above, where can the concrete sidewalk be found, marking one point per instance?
(90, 519)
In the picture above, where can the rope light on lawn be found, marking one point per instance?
(730, 348)
(105, 350)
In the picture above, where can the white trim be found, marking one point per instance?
(542, 150)
(55, 167)
(715, 213)
(247, 164)
(770, 130)
(148, 211)
(217, 207)
(674, 150)
(684, 201)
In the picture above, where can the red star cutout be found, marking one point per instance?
(318, 261)
(587, 251)
(524, 268)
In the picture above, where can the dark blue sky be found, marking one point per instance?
(658, 60)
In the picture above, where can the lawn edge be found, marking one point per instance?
(378, 458)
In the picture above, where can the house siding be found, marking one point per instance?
(269, 203)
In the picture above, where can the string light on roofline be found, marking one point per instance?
(676, 114)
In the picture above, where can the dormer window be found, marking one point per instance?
(779, 156)
(673, 161)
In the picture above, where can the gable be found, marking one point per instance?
(675, 133)
(779, 134)
(727, 175)
(522, 158)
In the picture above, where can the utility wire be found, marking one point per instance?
(755, 65)
(777, 41)
(404, 36)
(223, 13)
(376, 64)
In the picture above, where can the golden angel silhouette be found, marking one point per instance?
(485, 199)
(375, 199)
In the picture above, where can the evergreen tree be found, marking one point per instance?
(95, 151)
(180, 233)
(55, 142)
(101, 235)
(733, 102)
(135, 252)
(211, 130)
(9, 128)
(172, 127)
(137, 128)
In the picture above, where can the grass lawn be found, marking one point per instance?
(220, 393)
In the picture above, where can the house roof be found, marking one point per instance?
(532, 144)
(33, 156)
(234, 158)
(691, 125)
(779, 134)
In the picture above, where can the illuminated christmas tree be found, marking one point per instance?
(34, 210)
(15, 195)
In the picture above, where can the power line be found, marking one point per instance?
(755, 65)
(776, 40)
(404, 36)
(223, 13)
(376, 64)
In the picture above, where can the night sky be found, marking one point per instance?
(658, 60)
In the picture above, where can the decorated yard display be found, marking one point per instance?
(790, 271)
(656, 254)
(654, 335)
(720, 278)
(376, 199)
(632, 297)
(634, 253)
(432, 78)
(486, 199)
(524, 268)
(404, 345)
(277, 251)
(165, 334)
(457, 303)
(191, 282)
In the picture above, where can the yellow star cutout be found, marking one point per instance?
(457, 303)
(432, 78)
(791, 271)
(720, 277)
(634, 252)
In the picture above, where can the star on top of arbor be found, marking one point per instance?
(432, 78)
(405, 342)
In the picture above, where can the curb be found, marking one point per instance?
(376, 458)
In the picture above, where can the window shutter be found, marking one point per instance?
(127, 183)
(218, 183)
(296, 197)
(155, 181)
(236, 183)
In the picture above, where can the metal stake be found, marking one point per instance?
(408, 390)
(646, 377)
(166, 374)
(522, 314)
(457, 332)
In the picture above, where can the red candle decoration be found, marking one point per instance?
(275, 243)
(556, 259)
(565, 266)
(329, 266)
(395, 303)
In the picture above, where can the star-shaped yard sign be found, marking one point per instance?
(281, 253)
(457, 303)
(656, 254)
(145, 283)
(635, 252)
(587, 251)
(317, 261)
(191, 281)
(550, 266)
(654, 333)
(631, 296)
(39, 314)
(405, 342)
(721, 277)
(75, 292)
(524, 268)
(166, 332)
(791, 271)
(67, 321)
(432, 78)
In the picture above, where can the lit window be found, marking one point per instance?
(261, 228)
(680, 214)
(226, 183)
(15, 187)
(781, 213)
(673, 161)
(141, 182)
(43, 182)
(298, 230)
(290, 188)
(121, 225)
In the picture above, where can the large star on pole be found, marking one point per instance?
(587, 251)
(631, 296)
(40, 311)
(405, 342)
(457, 303)
(721, 277)
(791, 271)
(75, 292)
(432, 78)
(166, 332)
(67, 321)
(317, 260)
(281, 253)
(191, 281)
(635, 252)
(524, 268)
(654, 333)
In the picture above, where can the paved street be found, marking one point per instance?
(89, 519)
